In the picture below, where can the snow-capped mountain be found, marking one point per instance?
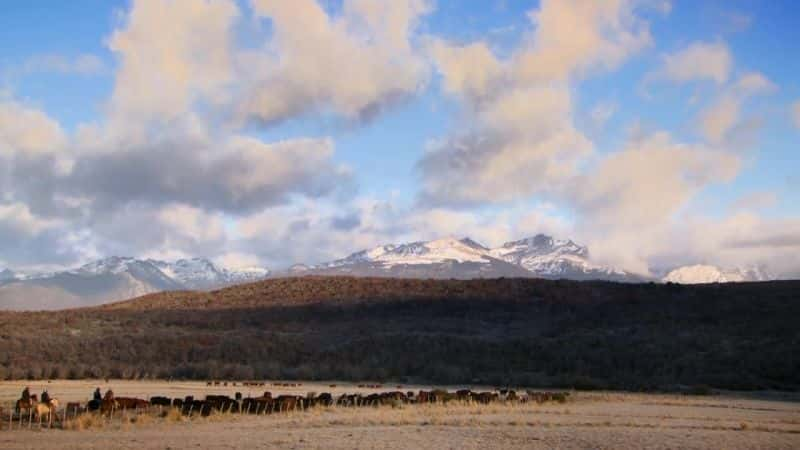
(537, 256)
(701, 273)
(431, 252)
(199, 273)
(547, 257)
(116, 278)
(441, 258)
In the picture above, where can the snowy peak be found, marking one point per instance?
(542, 245)
(200, 273)
(144, 271)
(547, 257)
(415, 253)
(701, 273)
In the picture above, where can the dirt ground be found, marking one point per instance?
(589, 420)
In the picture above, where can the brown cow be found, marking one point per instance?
(131, 403)
(287, 403)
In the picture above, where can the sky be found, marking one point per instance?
(262, 132)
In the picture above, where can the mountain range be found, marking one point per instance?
(540, 256)
(115, 278)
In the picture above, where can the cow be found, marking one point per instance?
(485, 397)
(287, 403)
(465, 395)
(131, 403)
(160, 401)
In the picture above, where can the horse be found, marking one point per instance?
(27, 405)
(48, 409)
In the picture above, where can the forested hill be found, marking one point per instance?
(501, 331)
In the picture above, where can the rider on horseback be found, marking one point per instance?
(97, 395)
(26, 394)
(45, 397)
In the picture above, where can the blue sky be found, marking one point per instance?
(660, 133)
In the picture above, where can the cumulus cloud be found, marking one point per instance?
(234, 175)
(700, 61)
(724, 115)
(27, 130)
(522, 140)
(352, 64)
(649, 181)
(171, 55)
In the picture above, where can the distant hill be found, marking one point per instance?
(520, 331)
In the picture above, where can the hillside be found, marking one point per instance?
(502, 331)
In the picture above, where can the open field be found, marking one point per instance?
(587, 420)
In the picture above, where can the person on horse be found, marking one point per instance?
(97, 395)
(45, 397)
(26, 394)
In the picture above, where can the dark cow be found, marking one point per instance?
(350, 400)
(465, 395)
(324, 399)
(485, 397)
(160, 401)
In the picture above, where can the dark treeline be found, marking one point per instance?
(503, 332)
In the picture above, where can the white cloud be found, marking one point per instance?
(17, 218)
(171, 55)
(601, 35)
(697, 62)
(521, 139)
(238, 260)
(192, 222)
(27, 130)
(649, 181)
(472, 70)
(353, 64)
(724, 115)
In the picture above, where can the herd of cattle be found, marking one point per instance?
(268, 404)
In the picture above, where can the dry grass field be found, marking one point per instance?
(587, 420)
